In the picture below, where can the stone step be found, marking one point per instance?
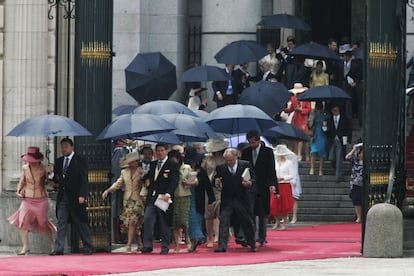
(326, 204)
(319, 197)
(325, 191)
(326, 211)
(325, 218)
(322, 179)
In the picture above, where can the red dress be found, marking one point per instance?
(299, 118)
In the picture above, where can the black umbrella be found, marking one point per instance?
(124, 109)
(323, 93)
(271, 97)
(315, 51)
(149, 77)
(284, 21)
(204, 73)
(286, 131)
(241, 51)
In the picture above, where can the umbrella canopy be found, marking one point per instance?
(286, 131)
(134, 125)
(124, 109)
(201, 114)
(271, 97)
(49, 125)
(284, 21)
(238, 119)
(241, 51)
(189, 128)
(323, 93)
(164, 137)
(314, 51)
(204, 73)
(161, 107)
(149, 77)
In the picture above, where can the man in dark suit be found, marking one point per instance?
(339, 134)
(263, 162)
(227, 92)
(242, 76)
(234, 198)
(71, 177)
(265, 73)
(164, 175)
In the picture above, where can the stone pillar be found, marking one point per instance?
(224, 21)
(25, 87)
(148, 26)
(284, 6)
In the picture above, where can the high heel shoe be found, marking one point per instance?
(26, 252)
(128, 250)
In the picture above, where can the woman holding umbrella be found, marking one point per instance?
(32, 214)
(301, 111)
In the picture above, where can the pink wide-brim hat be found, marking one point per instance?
(33, 155)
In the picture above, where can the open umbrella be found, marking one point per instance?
(164, 137)
(286, 131)
(150, 76)
(201, 114)
(161, 107)
(283, 20)
(48, 126)
(133, 126)
(314, 51)
(271, 97)
(323, 93)
(238, 119)
(241, 51)
(124, 109)
(189, 128)
(204, 73)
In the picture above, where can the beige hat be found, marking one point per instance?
(298, 88)
(215, 145)
(130, 157)
(194, 91)
(178, 148)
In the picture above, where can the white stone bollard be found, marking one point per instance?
(383, 232)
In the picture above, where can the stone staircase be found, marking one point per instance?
(323, 199)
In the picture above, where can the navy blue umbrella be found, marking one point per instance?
(149, 77)
(49, 125)
(238, 119)
(161, 107)
(164, 137)
(283, 20)
(189, 128)
(286, 131)
(204, 73)
(324, 93)
(241, 51)
(201, 114)
(124, 109)
(314, 51)
(133, 126)
(271, 97)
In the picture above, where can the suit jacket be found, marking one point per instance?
(232, 188)
(344, 129)
(166, 182)
(222, 87)
(73, 184)
(264, 169)
(259, 77)
(243, 81)
(132, 184)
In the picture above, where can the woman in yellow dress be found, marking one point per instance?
(133, 205)
(318, 76)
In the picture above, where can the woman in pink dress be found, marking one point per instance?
(32, 214)
(301, 111)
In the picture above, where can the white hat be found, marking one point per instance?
(130, 157)
(282, 150)
(298, 88)
(178, 148)
(344, 48)
(194, 91)
(216, 145)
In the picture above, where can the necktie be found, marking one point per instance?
(232, 170)
(229, 88)
(254, 156)
(65, 165)
(159, 165)
(336, 121)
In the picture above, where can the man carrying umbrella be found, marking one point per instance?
(226, 92)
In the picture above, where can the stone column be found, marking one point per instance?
(284, 6)
(25, 87)
(224, 21)
(147, 26)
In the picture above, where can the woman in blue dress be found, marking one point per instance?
(316, 123)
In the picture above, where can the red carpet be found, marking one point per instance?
(300, 243)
